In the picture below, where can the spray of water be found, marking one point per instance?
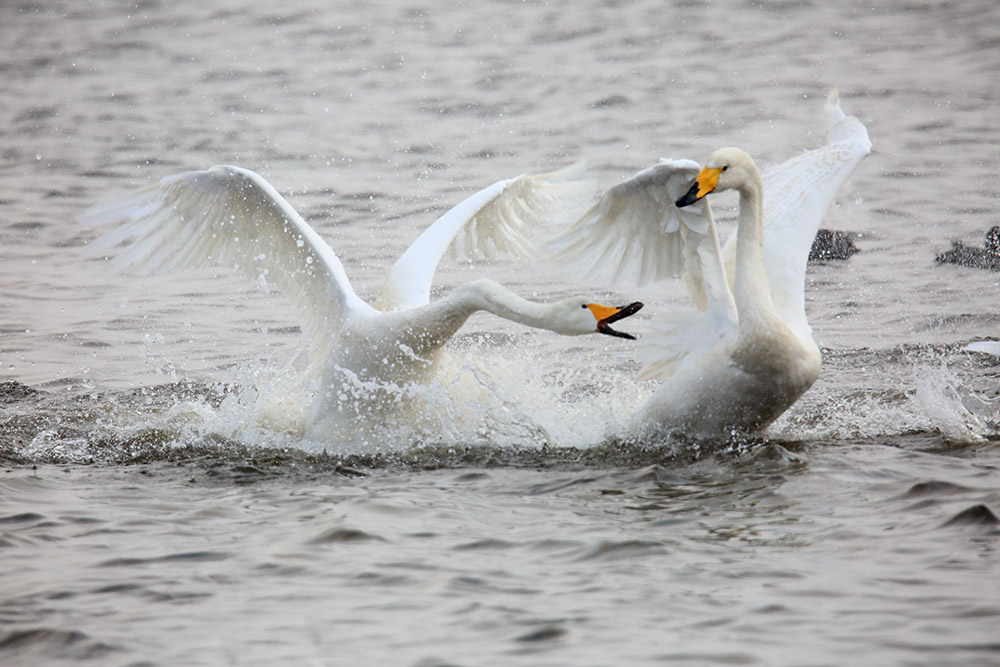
(517, 395)
(960, 414)
(497, 396)
(932, 395)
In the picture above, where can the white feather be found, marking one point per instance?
(797, 195)
(231, 217)
(507, 217)
(636, 229)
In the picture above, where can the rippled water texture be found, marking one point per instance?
(160, 505)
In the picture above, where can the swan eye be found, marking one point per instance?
(724, 167)
(583, 305)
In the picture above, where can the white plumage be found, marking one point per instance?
(367, 355)
(746, 354)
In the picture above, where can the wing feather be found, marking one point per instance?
(635, 229)
(232, 217)
(505, 217)
(797, 195)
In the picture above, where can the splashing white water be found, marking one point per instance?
(930, 397)
(500, 396)
(960, 414)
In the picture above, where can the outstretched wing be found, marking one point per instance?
(635, 229)
(232, 217)
(797, 195)
(504, 217)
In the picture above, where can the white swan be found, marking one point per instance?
(366, 354)
(747, 354)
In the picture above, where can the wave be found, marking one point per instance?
(42, 644)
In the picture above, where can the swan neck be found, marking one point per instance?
(441, 319)
(753, 294)
(500, 301)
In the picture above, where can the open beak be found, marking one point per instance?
(705, 182)
(606, 316)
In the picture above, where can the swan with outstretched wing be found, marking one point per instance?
(747, 353)
(364, 353)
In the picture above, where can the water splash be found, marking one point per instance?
(497, 395)
(492, 396)
(935, 392)
(960, 414)
(485, 395)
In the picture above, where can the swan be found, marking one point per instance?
(365, 355)
(747, 353)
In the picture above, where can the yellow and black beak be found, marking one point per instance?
(606, 316)
(705, 182)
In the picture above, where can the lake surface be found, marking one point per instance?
(161, 505)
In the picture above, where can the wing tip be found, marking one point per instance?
(840, 126)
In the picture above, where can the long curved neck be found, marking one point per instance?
(441, 319)
(753, 294)
(485, 294)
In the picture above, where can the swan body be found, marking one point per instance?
(759, 366)
(747, 353)
(366, 355)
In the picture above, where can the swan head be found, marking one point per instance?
(579, 316)
(725, 169)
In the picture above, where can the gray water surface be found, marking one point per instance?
(159, 503)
